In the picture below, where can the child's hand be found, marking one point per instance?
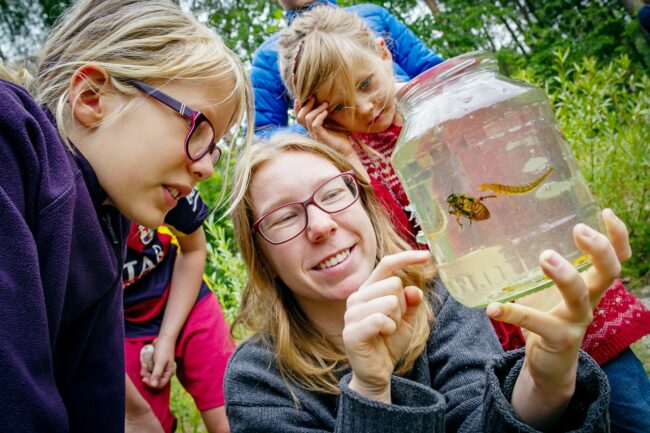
(139, 418)
(379, 321)
(313, 118)
(555, 336)
(164, 365)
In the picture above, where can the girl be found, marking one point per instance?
(340, 72)
(350, 333)
(111, 137)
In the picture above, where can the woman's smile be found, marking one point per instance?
(335, 262)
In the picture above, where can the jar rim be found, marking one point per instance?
(448, 68)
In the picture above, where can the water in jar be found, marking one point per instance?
(488, 249)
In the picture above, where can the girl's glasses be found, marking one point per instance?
(199, 140)
(287, 221)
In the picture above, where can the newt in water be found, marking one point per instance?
(500, 189)
(463, 205)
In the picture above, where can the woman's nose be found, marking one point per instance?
(320, 224)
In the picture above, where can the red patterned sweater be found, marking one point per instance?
(619, 319)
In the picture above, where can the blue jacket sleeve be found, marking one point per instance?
(409, 52)
(413, 56)
(272, 101)
(271, 97)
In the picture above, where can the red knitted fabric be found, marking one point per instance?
(510, 336)
(619, 320)
(385, 183)
(396, 213)
(383, 143)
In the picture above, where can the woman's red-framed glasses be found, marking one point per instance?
(199, 140)
(286, 222)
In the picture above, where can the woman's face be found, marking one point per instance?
(336, 253)
(140, 159)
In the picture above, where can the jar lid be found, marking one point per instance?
(442, 71)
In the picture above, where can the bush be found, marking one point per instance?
(225, 269)
(604, 113)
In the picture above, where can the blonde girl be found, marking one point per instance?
(130, 101)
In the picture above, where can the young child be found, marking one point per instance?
(272, 101)
(97, 148)
(351, 332)
(339, 73)
(167, 304)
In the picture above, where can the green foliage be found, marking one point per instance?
(183, 408)
(23, 25)
(525, 33)
(604, 113)
(225, 269)
(244, 25)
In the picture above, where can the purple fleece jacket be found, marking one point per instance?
(61, 255)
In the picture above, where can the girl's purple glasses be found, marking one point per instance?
(199, 140)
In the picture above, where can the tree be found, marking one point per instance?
(242, 24)
(24, 23)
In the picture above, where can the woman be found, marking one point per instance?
(348, 337)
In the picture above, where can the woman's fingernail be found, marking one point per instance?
(493, 310)
(585, 231)
(551, 258)
(611, 215)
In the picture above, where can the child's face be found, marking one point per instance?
(348, 234)
(140, 158)
(372, 108)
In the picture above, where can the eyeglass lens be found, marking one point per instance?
(288, 221)
(201, 141)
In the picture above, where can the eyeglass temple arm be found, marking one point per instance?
(165, 99)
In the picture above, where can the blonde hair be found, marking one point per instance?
(305, 355)
(147, 40)
(20, 72)
(323, 44)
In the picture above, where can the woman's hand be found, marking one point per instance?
(379, 324)
(548, 378)
(313, 118)
(164, 365)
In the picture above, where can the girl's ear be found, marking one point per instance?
(86, 94)
(384, 52)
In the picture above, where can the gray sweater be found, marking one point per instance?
(462, 382)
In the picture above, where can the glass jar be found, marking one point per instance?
(490, 177)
